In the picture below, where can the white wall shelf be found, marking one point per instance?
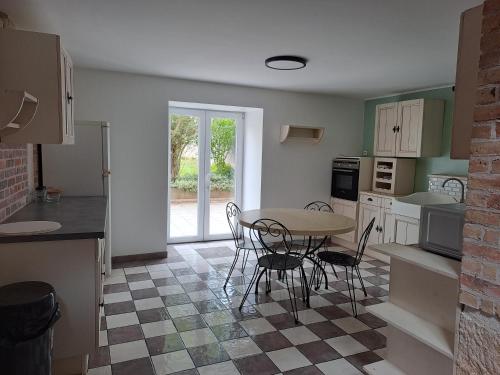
(421, 312)
(414, 255)
(430, 334)
(18, 109)
(303, 133)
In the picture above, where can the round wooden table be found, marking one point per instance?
(302, 222)
(305, 223)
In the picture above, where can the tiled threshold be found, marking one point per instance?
(172, 316)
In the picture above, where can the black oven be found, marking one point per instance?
(345, 178)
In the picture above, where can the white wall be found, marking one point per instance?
(137, 107)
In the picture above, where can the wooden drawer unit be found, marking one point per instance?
(370, 199)
(387, 203)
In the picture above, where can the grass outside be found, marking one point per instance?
(189, 167)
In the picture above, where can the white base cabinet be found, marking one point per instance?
(406, 230)
(378, 206)
(350, 209)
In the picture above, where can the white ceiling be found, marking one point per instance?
(360, 48)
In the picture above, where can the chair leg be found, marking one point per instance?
(313, 276)
(245, 258)
(252, 280)
(354, 293)
(361, 281)
(236, 256)
(335, 272)
(352, 296)
(305, 286)
(258, 280)
(268, 281)
(293, 301)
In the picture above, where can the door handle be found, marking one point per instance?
(208, 179)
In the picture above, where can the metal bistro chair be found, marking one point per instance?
(335, 258)
(322, 207)
(241, 242)
(281, 256)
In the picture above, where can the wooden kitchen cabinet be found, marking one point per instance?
(377, 206)
(350, 209)
(386, 117)
(466, 81)
(366, 214)
(387, 223)
(37, 63)
(406, 230)
(410, 128)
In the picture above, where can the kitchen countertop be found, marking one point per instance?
(80, 218)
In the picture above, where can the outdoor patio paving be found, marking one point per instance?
(183, 218)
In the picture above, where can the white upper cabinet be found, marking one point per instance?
(411, 128)
(386, 116)
(37, 63)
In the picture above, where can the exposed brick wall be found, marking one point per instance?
(479, 326)
(480, 278)
(13, 179)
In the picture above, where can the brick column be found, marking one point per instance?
(478, 350)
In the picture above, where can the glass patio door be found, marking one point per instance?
(205, 158)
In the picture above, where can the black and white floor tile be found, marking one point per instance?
(172, 316)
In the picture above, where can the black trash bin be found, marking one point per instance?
(28, 311)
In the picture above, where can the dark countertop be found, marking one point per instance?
(80, 218)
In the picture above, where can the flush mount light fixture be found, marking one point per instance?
(286, 62)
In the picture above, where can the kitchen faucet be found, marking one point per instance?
(462, 200)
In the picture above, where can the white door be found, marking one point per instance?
(407, 230)
(366, 214)
(409, 128)
(387, 224)
(386, 116)
(205, 165)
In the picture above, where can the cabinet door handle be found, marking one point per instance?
(370, 200)
(69, 97)
(397, 129)
(394, 129)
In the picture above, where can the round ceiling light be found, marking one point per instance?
(286, 62)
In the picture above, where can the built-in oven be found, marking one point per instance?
(345, 178)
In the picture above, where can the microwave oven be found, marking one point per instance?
(441, 229)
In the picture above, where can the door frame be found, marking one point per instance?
(238, 176)
(203, 194)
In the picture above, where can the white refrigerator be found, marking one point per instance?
(83, 169)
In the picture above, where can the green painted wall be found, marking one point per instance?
(425, 166)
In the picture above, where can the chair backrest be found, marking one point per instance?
(273, 237)
(233, 213)
(318, 206)
(363, 240)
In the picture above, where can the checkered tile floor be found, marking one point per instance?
(172, 316)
